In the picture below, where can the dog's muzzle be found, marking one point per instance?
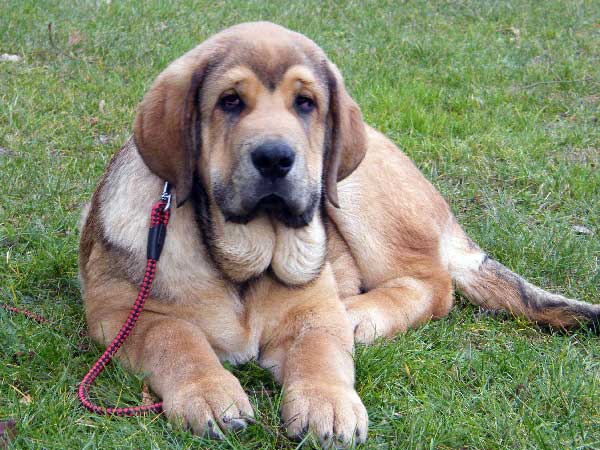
(270, 179)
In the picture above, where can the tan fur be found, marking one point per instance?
(294, 298)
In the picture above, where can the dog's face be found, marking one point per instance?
(260, 116)
(263, 139)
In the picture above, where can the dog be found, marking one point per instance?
(299, 230)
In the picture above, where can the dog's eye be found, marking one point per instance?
(304, 104)
(231, 103)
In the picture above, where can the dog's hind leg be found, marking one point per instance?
(397, 305)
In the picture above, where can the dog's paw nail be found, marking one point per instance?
(213, 431)
(238, 424)
(215, 435)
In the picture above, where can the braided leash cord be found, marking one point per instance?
(158, 223)
(24, 312)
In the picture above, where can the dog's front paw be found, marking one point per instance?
(209, 404)
(334, 413)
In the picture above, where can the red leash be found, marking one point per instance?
(24, 312)
(156, 238)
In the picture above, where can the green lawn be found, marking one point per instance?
(498, 102)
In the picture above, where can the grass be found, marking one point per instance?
(498, 103)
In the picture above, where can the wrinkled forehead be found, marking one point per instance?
(269, 58)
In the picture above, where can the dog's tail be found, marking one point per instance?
(489, 284)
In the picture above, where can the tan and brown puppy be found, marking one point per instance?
(299, 230)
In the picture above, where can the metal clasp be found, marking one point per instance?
(166, 195)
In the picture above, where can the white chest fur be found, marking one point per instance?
(126, 200)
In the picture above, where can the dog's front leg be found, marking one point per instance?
(309, 350)
(181, 366)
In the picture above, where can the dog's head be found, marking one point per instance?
(261, 116)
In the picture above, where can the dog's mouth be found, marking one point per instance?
(278, 208)
(291, 204)
(272, 203)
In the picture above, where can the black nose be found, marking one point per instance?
(273, 159)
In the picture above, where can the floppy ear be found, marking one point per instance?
(167, 125)
(348, 142)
